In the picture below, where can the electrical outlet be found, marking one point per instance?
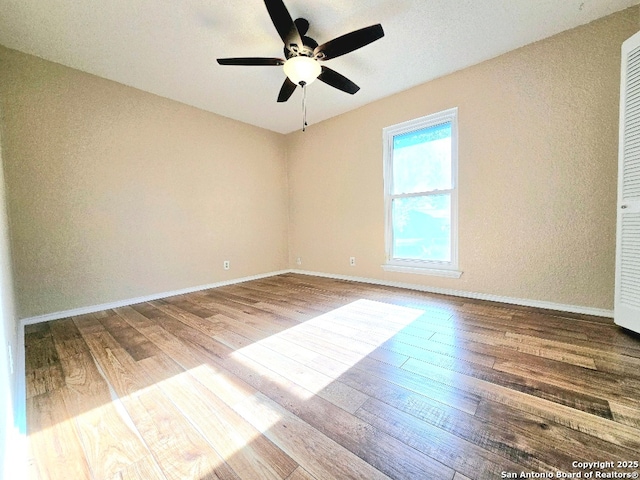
(298, 261)
(352, 261)
(226, 265)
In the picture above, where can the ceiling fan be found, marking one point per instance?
(303, 54)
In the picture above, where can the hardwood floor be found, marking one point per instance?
(298, 377)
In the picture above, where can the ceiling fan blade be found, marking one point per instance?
(288, 87)
(250, 61)
(349, 42)
(333, 78)
(284, 24)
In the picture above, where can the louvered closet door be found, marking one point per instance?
(627, 300)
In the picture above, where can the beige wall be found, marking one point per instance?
(537, 173)
(114, 193)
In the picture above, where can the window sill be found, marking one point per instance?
(423, 271)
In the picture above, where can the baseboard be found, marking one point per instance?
(17, 457)
(132, 301)
(411, 286)
(597, 312)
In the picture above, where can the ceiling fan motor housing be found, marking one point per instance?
(308, 44)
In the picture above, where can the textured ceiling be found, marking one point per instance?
(169, 47)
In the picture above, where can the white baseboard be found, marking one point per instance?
(411, 286)
(132, 301)
(462, 293)
(17, 457)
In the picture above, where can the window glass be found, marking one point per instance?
(422, 160)
(422, 228)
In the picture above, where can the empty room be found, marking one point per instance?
(319, 240)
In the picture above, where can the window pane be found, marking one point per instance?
(422, 160)
(422, 228)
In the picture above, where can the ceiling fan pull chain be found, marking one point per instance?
(304, 106)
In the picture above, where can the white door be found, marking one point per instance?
(627, 294)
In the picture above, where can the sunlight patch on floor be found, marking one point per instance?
(265, 355)
(275, 359)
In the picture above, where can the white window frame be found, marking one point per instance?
(423, 267)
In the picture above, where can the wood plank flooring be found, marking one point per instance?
(298, 377)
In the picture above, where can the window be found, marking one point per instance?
(420, 159)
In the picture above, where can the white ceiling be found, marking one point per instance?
(169, 47)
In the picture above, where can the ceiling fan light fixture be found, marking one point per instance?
(302, 69)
